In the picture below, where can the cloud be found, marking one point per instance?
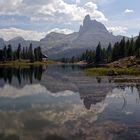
(128, 11)
(117, 29)
(102, 1)
(51, 10)
(11, 33)
(63, 31)
(60, 11)
(29, 90)
(78, 1)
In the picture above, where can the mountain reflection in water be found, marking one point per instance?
(66, 104)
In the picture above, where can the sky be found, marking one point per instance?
(34, 19)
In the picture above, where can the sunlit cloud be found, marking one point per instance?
(11, 33)
(117, 29)
(128, 11)
(30, 90)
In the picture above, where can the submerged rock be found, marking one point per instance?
(111, 73)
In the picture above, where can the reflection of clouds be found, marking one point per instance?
(29, 90)
(126, 97)
(116, 93)
(128, 112)
(73, 121)
(62, 93)
(64, 116)
(74, 112)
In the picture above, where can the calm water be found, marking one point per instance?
(60, 102)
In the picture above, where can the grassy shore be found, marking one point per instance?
(118, 71)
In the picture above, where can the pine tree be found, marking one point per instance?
(115, 52)
(19, 52)
(30, 52)
(23, 53)
(5, 54)
(9, 53)
(132, 47)
(122, 48)
(127, 49)
(39, 53)
(137, 45)
(98, 56)
(109, 53)
(138, 41)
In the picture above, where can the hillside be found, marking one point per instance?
(127, 62)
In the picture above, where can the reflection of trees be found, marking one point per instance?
(131, 86)
(26, 74)
(98, 79)
(138, 88)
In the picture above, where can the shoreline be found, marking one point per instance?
(108, 71)
(25, 63)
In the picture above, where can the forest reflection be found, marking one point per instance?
(21, 73)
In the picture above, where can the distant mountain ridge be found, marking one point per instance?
(2, 43)
(58, 45)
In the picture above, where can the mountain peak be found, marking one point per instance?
(87, 19)
(92, 26)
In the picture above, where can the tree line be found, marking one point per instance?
(21, 74)
(25, 53)
(124, 48)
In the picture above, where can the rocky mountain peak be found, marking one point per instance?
(87, 20)
(92, 26)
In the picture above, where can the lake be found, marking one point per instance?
(61, 102)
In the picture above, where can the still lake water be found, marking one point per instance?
(61, 102)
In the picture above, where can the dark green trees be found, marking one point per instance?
(137, 46)
(38, 54)
(115, 52)
(88, 56)
(109, 53)
(7, 54)
(98, 56)
(124, 48)
(19, 52)
(30, 53)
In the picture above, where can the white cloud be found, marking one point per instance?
(102, 1)
(52, 10)
(63, 31)
(11, 33)
(61, 11)
(78, 1)
(30, 90)
(128, 11)
(117, 29)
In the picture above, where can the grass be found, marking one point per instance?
(117, 71)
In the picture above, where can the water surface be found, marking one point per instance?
(60, 102)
